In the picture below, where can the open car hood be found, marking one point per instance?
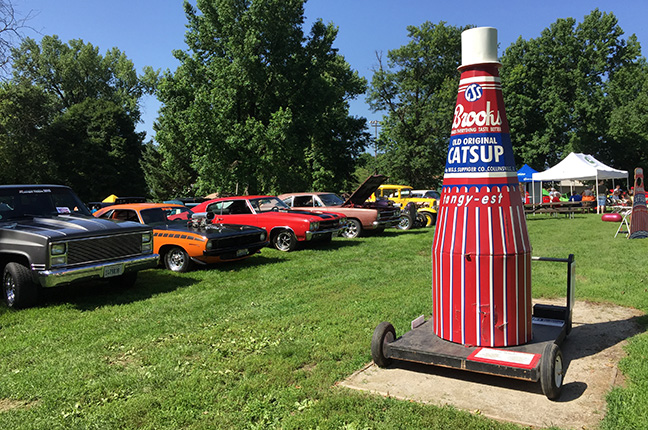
(364, 191)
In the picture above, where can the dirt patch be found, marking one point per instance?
(591, 351)
(8, 404)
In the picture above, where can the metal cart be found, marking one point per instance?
(539, 360)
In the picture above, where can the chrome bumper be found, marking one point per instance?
(54, 277)
(386, 223)
(313, 234)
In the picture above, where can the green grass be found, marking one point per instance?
(262, 342)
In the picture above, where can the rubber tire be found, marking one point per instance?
(430, 219)
(352, 229)
(21, 292)
(123, 282)
(404, 223)
(552, 371)
(382, 335)
(285, 241)
(176, 259)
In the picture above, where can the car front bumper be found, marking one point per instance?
(319, 233)
(54, 277)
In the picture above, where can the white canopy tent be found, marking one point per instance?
(580, 167)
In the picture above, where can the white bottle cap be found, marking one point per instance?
(479, 46)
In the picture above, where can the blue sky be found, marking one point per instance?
(148, 30)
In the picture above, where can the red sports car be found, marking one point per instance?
(285, 227)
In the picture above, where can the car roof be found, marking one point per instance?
(304, 193)
(140, 206)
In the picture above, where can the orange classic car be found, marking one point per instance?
(181, 243)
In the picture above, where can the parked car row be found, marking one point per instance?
(49, 238)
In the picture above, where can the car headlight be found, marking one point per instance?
(209, 245)
(314, 226)
(262, 236)
(343, 221)
(58, 249)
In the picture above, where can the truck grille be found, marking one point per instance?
(106, 248)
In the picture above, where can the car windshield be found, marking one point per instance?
(405, 193)
(268, 204)
(331, 199)
(432, 195)
(155, 215)
(16, 202)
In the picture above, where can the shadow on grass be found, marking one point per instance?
(98, 293)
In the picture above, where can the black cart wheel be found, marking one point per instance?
(552, 371)
(382, 335)
(19, 289)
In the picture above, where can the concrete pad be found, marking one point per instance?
(591, 351)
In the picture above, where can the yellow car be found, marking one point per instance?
(401, 195)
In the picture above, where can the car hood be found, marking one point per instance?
(364, 191)
(211, 230)
(65, 226)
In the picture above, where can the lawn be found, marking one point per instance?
(262, 342)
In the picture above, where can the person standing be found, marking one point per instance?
(602, 196)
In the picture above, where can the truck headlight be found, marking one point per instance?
(147, 244)
(58, 254)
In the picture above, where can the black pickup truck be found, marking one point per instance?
(49, 238)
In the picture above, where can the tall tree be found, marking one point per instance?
(11, 24)
(417, 90)
(77, 110)
(557, 89)
(256, 106)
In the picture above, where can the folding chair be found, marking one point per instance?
(624, 221)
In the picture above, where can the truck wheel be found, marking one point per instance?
(382, 335)
(19, 289)
(124, 282)
(352, 229)
(285, 241)
(551, 371)
(176, 259)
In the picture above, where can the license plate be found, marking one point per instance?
(113, 270)
(241, 252)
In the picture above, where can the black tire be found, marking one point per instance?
(404, 223)
(285, 241)
(19, 289)
(176, 259)
(382, 335)
(430, 219)
(123, 282)
(352, 229)
(552, 371)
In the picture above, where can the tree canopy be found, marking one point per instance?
(417, 90)
(577, 87)
(68, 116)
(256, 106)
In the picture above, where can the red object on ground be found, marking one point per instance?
(611, 217)
(481, 254)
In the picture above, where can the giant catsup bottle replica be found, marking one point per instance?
(481, 255)
(639, 220)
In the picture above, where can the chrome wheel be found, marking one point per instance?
(9, 289)
(177, 260)
(352, 229)
(285, 241)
